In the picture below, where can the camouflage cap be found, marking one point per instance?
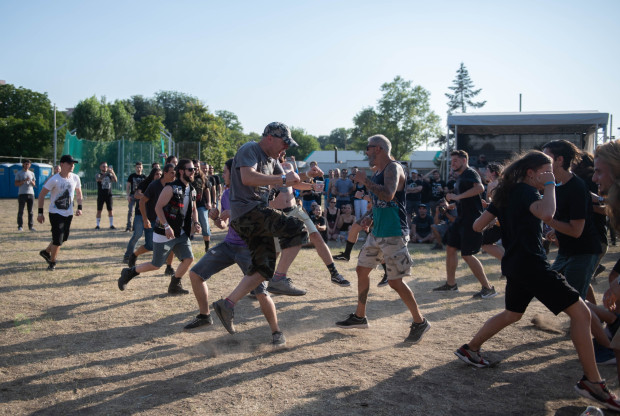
(281, 130)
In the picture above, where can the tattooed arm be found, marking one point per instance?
(393, 180)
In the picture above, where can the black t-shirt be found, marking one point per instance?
(152, 193)
(573, 202)
(199, 185)
(134, 180)
(142, 187)
(521, 233)
(425, 195)
(423, 225)
(417, 196)
(215, 181)
(104, 184)
(468, 208)
(359, 187)
(600, 220)
(437, 188)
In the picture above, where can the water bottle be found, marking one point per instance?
(593, 411)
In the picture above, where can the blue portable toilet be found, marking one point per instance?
(4, 179)
(42, 171)
(13, 190)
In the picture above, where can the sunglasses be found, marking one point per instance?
(370, 146)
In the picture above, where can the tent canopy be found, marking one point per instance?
(559, 122)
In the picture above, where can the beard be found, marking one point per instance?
(187, 178)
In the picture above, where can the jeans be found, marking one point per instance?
(138, 229)
(25, 199)
(130, 205)
(203, 218)
(360, 206)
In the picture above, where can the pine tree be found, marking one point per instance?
(462, 86)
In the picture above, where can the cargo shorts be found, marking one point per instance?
(391, 249)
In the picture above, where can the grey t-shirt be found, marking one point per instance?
(25, 188)
(244, 198)
(344, 186)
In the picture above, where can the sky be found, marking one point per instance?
(315, 64)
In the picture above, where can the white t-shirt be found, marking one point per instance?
(62, 192)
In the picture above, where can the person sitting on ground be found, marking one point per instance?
(331, 217)
(444, 215)
(319, 221)
(421, 226)
(345, 221)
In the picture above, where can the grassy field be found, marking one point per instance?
(72, 343)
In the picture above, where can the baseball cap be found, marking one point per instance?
(422, 206)
(281, 130)
(414, 171)
(68, 159)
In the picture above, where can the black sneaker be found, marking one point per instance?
(51, 265)
(176, 288)
(471, 357)
(598, 392)
(112, 227)
(339, 280)
(47, 256)
(600, 269)
(225, 314)
(353, 321)
(384, 281)
(278, 339)
(126, 275)
(417, 331)
(447, 288)
(128, 228)
(131, 262)
(342, 257)
(97, 228)
(485, 293)
(169, 271)
(198, 321)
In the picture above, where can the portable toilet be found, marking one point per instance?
(13, 190)
(4, 179)
(41, 171)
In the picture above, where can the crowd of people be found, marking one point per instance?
(512, 212)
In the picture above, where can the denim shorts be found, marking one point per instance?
(203, 218)
(577, 269)
(181, 246)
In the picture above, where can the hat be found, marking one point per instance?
(422, 206)
(281, 130)
(68, 159)
(414, 171)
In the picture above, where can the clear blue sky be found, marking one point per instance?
(315, 64)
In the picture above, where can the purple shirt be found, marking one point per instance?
(232, 237)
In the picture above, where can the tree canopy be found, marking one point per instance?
(463, 92)
(92, 120)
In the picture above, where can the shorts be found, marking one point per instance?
(442, 229)
(223, 256)
(463, 237)
(61, 226)
(258, 227)
(577, 269)
(548, 286)
(300, 214)
(491, 235)
(181, 246)
(391, 249)
(203, 218)
(107, 199)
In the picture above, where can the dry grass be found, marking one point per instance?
(71, 342)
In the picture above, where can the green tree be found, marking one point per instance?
(92, 120)
(230, 120)
(403, 115)
(25, 122)
(197, 124)
(339, 138)
(174, 105)
(122, 119)
(145, 107)
(307, 144)
(148, 129)
(463, 92)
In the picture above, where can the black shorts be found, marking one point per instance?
(462, 236)
(105, 198)
(548, 286)
(60, 228)
(491, 235)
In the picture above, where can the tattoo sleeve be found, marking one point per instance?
(386, 191)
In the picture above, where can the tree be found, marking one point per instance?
(197, 124)
(148, 129)
(464, 93)
(122, 120)
(174, 105)
(338, 137)
(92, 120)
(145, 107)
(403, 115)
(230, 120)
(307, 144)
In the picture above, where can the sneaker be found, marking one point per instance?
(97, 228)
(131, 261)
(342, 257)
(32, 229)
(437, 246)
(471, 357)
(598, 392)
(112, 227)
(198, 321)
(600, 269)
(384, 281)
(126, 276)
(603, 355)
(125, 259)
(447, 288)
(51, 265)
(169, 271)
(285, 287)
(176, 288)
(278, 339)
(417, 331)
(128, 228)
(20, 228)
(225, 314)
(485, 293)
(47, 256)
(340, 281)
(353, 321)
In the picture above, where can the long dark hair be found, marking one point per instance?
(515, 173)
(151, 177)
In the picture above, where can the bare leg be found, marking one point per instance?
(145, 267)
(406, 295)
(269, 310)
(580, 334)
(170, 257)
(183, 267)
(476, 268)
(321, 248)
(452, 261)
(201, 291)
(53, 250)
(245, 286)
(363, 286)
(494, 250)
(140, 250)
(492, 327)
(286, 259)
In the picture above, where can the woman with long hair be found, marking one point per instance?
(203, 202)
(521, 211)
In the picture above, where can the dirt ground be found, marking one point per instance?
(72, 343)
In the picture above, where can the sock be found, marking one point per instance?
(134, 272)
(111, 221)
(332, 269)
(229, 303)
(175, 280)
(349, 247)
(384, 267)
(98, 221)
(278, 276)
(207, 245)
(202, 316)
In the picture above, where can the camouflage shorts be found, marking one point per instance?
(258, 228)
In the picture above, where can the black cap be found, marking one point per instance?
(68, 159)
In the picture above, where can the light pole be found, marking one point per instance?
(56, 133)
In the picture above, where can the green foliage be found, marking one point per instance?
(198, 125)
(145, 107)
(25, 122)
(463, 92)
(307, 144)
(122, 120)
(174, 105)
(92, 120)
(231, 121)
(403, 115)
(148, 129)
(339, 138)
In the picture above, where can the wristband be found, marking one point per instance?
(284, 180)
(549, 183)
(79, 207)
(40, 211)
